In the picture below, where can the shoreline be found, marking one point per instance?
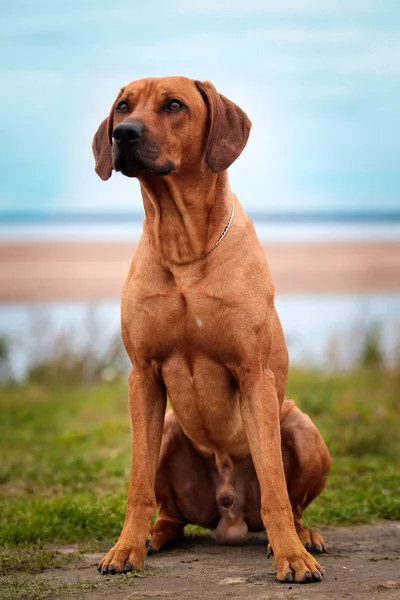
(66, 271)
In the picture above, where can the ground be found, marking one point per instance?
(359, 561)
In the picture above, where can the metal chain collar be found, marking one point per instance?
(221, 237)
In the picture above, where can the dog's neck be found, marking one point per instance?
(185, 216)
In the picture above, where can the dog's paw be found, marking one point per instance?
(122, 559)
(149, 548)
(312, 540)
(298, 568)
(162, 534)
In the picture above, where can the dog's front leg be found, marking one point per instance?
(260, 414)
(147, 402)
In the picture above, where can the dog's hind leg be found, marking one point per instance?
(307, 461)
(184, 487)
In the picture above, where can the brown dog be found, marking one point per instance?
(199, 324)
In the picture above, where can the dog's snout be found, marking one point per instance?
(127, 133)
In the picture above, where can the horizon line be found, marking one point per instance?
(119, 217)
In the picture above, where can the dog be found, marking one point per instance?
(200, 327)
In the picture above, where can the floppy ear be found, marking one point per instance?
(102, 151)
(101, 145)
(228, 128)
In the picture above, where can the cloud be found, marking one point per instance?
(282, 50)
(238, 8)
(380, 58)
(73, 14)
(296, 35)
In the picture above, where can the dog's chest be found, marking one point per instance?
(165, 321)
(193, 317)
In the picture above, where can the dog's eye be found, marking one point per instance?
(174, 105)
(122, 107)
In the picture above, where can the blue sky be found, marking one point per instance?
(320, 80)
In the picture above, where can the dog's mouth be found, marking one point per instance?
(134, 162)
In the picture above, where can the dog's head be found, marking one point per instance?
(169, 125)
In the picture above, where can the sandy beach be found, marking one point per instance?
(94, 271)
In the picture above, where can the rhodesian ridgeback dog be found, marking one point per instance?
(200, 327)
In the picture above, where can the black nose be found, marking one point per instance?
(127, 133)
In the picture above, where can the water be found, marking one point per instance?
(321, 330)
(130, 231)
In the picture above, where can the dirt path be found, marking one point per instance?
(359, 559)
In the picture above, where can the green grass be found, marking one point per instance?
(358, 414)
(35, 560)
(66, 456)
(17, 568)
(65, 463)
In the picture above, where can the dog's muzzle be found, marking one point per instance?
(127, 134)
(135, 152)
